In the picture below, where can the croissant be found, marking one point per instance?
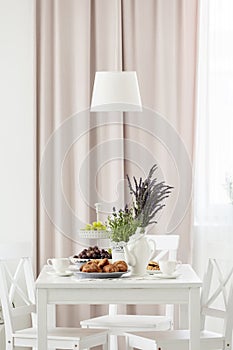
(121, 265)
(110, 268)
(90, 268)
(103, 262)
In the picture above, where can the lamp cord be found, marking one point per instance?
(118, 48)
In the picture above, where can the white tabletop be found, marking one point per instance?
(187, 278)
(185, 289)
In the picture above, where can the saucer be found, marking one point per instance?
(165, 276)
(153, 272)
(60, 274)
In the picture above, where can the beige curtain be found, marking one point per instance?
(75, 38)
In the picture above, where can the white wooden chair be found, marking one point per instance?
(166, 247)
(17, 293)
(216, 301)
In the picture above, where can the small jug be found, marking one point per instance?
(138, 251)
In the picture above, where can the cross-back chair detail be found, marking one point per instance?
(211, 291)
(19, 300)
(10, 290)
(209, 297)
(222, 283)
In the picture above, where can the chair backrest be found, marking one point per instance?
(17, 292)
(166, 246)
(217, 295)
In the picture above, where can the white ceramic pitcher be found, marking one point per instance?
(138, 251)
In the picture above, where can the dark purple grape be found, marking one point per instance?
(93, 253)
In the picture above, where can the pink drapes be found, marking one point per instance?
(75, 38)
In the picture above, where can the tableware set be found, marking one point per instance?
(61, 267)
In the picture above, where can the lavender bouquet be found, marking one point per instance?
(148, 197)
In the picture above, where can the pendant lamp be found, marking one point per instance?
(116, 90)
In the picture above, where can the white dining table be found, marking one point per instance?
(185, 289)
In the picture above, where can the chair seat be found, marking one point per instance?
(61, 332)
(63, 338)
(129, 322)
(177, 337)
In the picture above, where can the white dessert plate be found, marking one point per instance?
(61, 274)
(153, 272)
(164, 276)
(98, 274)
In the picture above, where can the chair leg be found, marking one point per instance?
(9, 346)
(106, 346)
(127, 344)
(113, 342)
(142, 344)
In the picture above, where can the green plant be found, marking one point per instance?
(122, 224)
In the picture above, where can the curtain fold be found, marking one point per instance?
(75, 38)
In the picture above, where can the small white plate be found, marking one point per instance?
(164, 276)
(153, 272)
(60, 274)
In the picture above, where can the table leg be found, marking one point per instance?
(51, 316)
(41, 319)
(194, 318)
(183, 317)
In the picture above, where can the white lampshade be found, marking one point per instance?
(116, 91)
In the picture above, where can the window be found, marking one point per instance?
(214, 156)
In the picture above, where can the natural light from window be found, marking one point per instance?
(214, 161)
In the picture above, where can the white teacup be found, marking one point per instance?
(168, 267)
(59, 264)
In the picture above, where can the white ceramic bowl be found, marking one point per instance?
(77, 261)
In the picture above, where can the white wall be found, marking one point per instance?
(16, 120)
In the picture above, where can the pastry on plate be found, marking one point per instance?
(153, 265)
(110, 268)
(121, 265)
